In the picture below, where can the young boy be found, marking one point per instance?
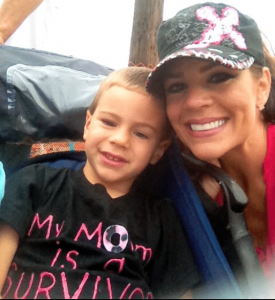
(90, 234)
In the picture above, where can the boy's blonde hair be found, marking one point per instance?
(133, 79)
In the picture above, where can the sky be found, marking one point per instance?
(100, 30)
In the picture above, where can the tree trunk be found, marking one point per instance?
(147, 19)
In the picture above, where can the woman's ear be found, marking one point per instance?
(163, 146)
(87, 124)
(264, 88)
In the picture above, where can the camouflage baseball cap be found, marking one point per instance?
(210, 31)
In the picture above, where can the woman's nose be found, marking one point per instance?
(197, 98)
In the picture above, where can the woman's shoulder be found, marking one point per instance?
(271, 135)
(269, 162)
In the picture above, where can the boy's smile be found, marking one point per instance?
(122, 137)
(113, 160)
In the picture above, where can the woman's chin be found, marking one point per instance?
(206, 154)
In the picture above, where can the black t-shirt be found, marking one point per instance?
(77, 242)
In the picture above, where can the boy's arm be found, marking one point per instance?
(9, 240)
(173, 255)
(188, 295)
(12, 15)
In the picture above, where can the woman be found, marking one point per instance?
(219, 81)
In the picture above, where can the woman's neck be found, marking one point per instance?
(245, 163)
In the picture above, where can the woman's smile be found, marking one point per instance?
(206, 127)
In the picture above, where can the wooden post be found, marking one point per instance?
(147, 18)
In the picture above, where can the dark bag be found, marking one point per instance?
(45, 95)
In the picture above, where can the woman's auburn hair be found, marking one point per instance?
(257, 70)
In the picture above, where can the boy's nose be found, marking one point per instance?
(120, 138)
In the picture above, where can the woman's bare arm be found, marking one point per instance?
(9, 240)
(12, 15)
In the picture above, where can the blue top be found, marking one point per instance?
(2, 182)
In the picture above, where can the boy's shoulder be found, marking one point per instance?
(41, 169)
(38, 175)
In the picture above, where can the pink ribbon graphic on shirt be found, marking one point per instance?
(110, 232)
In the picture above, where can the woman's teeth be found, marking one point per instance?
(208, 126)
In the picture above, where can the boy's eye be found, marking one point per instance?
(108, 123)
(221, 78)
(175, 88)
(141, 135)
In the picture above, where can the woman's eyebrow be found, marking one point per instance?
(209, 67)
(173, 75)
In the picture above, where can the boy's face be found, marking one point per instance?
(123, 136)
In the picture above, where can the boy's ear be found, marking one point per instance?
(163, 146)
(87, 124)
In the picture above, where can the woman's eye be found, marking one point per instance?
(108, 123)
(176, 88)
(141, 135)
(221, 78)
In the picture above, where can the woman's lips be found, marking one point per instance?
(205, 128)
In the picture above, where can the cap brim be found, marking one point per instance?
(225, 56)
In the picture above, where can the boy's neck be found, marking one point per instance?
(114, 189)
